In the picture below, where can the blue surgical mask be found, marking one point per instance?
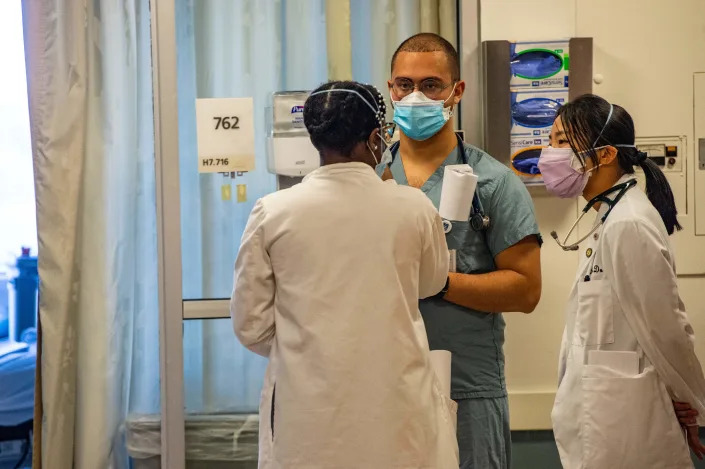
(419, 117)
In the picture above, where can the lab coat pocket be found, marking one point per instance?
(628, 422)
(594, 322)
(266, 421)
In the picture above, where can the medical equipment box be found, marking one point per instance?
(532, 114)
(525, 83)
(289, 148)
(539, 65)
(525, 153)
(533, 111)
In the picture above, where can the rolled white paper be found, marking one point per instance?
(459, 183)
(440, 362)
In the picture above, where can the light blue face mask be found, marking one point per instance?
(419, 117)
(387, 157)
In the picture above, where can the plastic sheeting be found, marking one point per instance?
(208, 437)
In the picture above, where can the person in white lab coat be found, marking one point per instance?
(327, 283)
(628, 348)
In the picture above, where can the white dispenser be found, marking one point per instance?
(289, 148)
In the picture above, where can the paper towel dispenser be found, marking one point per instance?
(289, 148)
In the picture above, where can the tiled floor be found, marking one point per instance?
(534, 450)
(530, 450)
(537, 450)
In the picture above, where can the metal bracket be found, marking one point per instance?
(206, 309)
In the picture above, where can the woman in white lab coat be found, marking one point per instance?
(327, 283)
(628, 348)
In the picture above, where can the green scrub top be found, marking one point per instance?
(476, 338)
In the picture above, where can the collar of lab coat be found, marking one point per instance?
(604, 207)
(352, 167)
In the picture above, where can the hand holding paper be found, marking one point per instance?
(459, 183)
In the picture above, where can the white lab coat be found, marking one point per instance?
(603, 418)
(327, 284)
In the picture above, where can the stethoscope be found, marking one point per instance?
(478, 220)
(621, 189)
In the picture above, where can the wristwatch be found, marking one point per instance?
(443, 292)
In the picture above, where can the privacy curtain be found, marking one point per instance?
(89, 85)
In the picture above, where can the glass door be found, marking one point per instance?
(226, 49)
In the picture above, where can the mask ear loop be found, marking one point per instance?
(452, 106)
(617, 145)
(452, 93)
(373, 153)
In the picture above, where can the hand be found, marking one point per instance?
(694, 441)
(687, 416)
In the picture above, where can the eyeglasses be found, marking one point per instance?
(431, 87)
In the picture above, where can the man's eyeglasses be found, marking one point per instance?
(431, 87)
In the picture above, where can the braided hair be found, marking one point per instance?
(340, 114)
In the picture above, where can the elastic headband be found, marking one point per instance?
(622, 145)
(375, 109)
(609, 116)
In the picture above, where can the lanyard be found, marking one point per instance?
(621, 189)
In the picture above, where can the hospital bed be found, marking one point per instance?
(17, 402)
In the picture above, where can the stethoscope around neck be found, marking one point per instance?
(621, 189)
(478, 220)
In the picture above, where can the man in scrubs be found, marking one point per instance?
(496, 269)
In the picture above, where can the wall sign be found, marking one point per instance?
(226, 135)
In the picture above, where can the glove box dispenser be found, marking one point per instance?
(524, 86)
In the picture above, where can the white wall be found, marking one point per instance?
(647, 52)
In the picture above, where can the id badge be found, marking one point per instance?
(452, 260)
